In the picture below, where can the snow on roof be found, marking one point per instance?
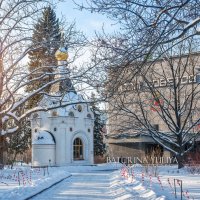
(73, 97)
(68, 98)
(43, 137)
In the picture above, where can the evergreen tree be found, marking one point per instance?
(20, 141)
(17, 143)
(45, 41)
(99, 146)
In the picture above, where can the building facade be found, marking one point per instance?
(64, 135)
(137, 103)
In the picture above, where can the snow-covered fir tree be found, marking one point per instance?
(99, 146)
(18, 142)
(45, 41)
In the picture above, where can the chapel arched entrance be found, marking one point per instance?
(78, 149)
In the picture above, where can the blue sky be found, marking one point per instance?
(85, 21)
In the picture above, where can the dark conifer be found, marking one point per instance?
(99, 125)
(45, 41)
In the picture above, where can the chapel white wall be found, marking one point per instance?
(64, 137)
(41, 154)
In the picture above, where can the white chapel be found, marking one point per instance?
(64, 135)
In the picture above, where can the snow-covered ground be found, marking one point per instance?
(31, 181)
(148, 184)
(99, 182)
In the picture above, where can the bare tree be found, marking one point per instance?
(16, 23)
(151, 32)
(142, 29)
(144, 25)
(162, 101)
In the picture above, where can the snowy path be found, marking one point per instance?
(94, 185)
(98, 182)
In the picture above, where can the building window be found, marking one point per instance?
(88, 130)
(54, 114)
(153, 150)
(78, 149)
(71, 114)
(55, 129)
(89, 116)
(80, 108)
(71, 129)
(35, 130)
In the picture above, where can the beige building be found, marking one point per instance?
(145, 96)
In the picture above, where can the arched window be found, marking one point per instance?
(71, 114)
(54, 113)
(78, 149)
(80, 108)
(89, 115)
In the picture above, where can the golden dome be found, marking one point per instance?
(61, 54)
